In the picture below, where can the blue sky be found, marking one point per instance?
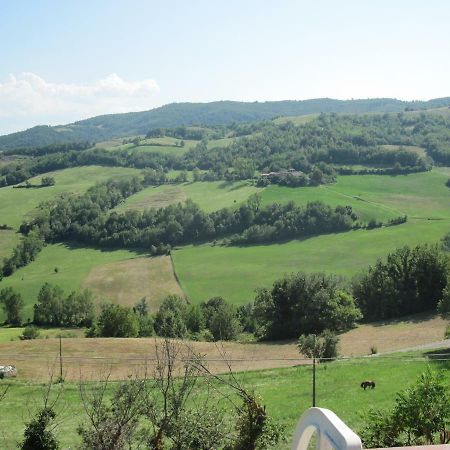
(65, 60)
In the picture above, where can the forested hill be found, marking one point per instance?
(215, 113)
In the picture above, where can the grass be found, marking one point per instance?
(74, 264)
(8, 240)
(125, 282)
(296, 120)
(286, 393)
(94, 356)
(8, 334)
(209, 195)
(17, 204)
(168, 150)
(234, 272)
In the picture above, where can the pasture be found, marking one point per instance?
(73, 263)
(127, 281)
(286, 393)
(209, 195)
(234, 272)
(18, 204)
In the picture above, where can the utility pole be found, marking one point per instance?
(314, 373)
(60, 360)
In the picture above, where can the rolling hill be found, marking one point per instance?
(215, 113)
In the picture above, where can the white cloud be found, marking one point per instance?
(31, 99)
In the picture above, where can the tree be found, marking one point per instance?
(420, 413)
(444, 304)
(112, 422)
(117, 321)
(170, 320)
(408, 281)
(224, 324)
(323, 347)
(221, 318)
(195, 320)
(141, 308)
(12, 304)
(48, 181)
(78, 309)
(304, 304)
(49, 308)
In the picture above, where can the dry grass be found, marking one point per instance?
(395, 335)
(155, 197)
(93, 358)
(125, 282)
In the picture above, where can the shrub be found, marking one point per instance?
(37, 435)
(30, 332)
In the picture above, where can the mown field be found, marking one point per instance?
(122, 357)
(235, 272)
(19, 204)
(286, 393)
(73, 263)
(209, 195)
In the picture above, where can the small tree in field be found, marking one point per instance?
(323, 347)
(12, 304)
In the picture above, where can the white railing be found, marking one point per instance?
(331, 431)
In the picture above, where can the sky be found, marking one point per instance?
(62, 61)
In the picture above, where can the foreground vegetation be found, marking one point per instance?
(286, 392)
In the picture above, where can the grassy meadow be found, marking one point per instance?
(74, 264)
(209, 195)
(234, 272)
(286, 393)
(17, 204)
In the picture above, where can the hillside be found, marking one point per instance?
(215, 113)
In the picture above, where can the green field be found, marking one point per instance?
(165, 149)
(73, 263)
(286, 393)
(8, 334)
(234, 272)
(209, 195)
(17, 204)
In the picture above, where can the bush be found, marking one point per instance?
(419, 414)
(37, 435)
(30, 332)
(373, 350)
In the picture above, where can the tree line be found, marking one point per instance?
(86, 219)
(329, 139)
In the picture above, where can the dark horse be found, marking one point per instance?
(368, 384)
